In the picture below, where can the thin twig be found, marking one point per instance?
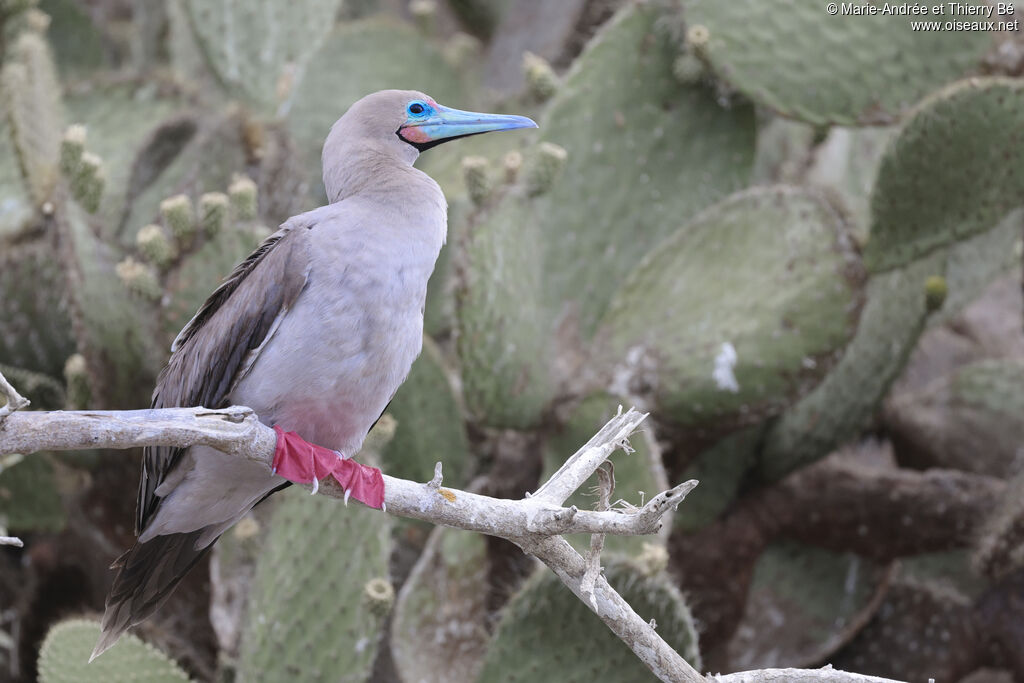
(605, 488)
(12, 540)
(15, 401)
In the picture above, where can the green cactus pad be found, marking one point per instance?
(794, 57)
(999, 549)
(359, 58)
(439, 630)
(842, 404)
(31, 95)
(955, 169)
(800, 604)
(36, 330)
(119, 122)
(77, 44)
(504, 341)
(260, 48)
(16, 209)
(430, 426)
(720, 469)
(64, 658)
(547, 633)
(306, 619)
(639, 476)
(645, 154)
(765, 282)
(29, 499)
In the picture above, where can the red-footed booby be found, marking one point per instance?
(315, 331)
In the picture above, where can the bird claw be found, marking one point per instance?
(316, 486)
(348, 492)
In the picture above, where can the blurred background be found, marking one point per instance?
(793, 236)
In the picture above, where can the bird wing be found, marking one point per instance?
(218, 346)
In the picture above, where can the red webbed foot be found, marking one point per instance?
(302, 462)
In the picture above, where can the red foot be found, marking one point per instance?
(299, 461)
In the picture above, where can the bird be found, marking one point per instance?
(315, 331)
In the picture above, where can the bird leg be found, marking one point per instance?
(302, 462)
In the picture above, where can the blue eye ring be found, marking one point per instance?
(417, 108)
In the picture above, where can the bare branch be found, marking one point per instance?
(534, 523)
(15, 401)
(12, 540)
(823, 675)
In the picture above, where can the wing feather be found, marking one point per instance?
(221, 342)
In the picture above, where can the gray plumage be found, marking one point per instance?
(315, 331)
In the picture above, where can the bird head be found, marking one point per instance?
(398, 124)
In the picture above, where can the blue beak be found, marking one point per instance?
(441, 124)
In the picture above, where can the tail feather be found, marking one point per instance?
(146, 576)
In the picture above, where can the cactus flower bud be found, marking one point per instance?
(179, 217)
(139, 279)
(541, 80)
(475, 173)
(545, 167)
(213, 212)
(154, 246)
(244, 200)
(379, 596)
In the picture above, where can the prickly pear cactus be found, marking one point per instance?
(720, 469)
(951, 172)
(645, 154)
(504, 331)
(16, 210)
(29, 497)
(890, 324)
(739, 312)
(1000, 547)
(800, 604)
(358, 58)
(439, 630)
(799, 60)
(259, 48)
(319, 595)
(430, 424)
(64, 658)
(639, 474)
(567, 642)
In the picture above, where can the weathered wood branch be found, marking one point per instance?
(534, 523)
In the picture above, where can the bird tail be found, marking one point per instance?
(146, 576)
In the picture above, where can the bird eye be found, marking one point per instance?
(416, 108)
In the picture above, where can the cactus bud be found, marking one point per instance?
(935, 290)
(462, 49)
(139, 278)
(213, 212)
(243, 198)
(512, 162)
(72, 146)
(379, 596)
(697, 37)
(688, 68)
(545, 167)
(76, 376)
(154, 246)
(179, 217)
(88, 182)
(541, 81)
(476, 175)
(424, 14)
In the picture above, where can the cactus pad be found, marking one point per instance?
(795, 58)
(260, 48)
(306, 617)
(547, 633)
(430, 424)
(439, 631)
(890, 324)
(645, 153)
(64, 658)
(29, 499)
(741, 310)
(953, 171)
